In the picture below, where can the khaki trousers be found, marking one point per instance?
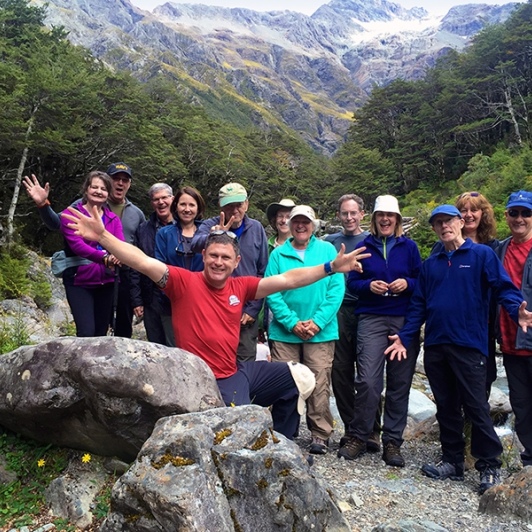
(318, 357)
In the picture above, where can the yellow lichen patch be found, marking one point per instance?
(261, 441)
(176, 461)
(268, 462)
(220, 436)
(283, 473)
(262, 484)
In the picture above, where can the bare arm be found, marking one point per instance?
(91, 228)
(298, 277)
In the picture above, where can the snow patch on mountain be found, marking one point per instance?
(378, 28)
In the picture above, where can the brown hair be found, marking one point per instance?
(196, 194)
(487, 227)
(88, 181)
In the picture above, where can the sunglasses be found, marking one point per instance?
(181, 253)
(524, 213)
(472, 194)
(230, 234)
(121, 178)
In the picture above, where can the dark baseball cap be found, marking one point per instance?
(117, 168)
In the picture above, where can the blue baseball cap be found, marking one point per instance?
(449, 210)
(522, 198)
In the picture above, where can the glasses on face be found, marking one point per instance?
(283, 216)
(162, 198)
(119, 178)
(446, 221)
(524, 213)
(347, 214)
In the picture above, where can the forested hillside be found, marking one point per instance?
(465, 126)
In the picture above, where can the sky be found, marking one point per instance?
(309, 6)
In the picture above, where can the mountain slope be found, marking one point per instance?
(277, 69)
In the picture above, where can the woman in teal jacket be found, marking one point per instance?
(304, 326)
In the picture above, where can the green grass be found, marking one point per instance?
(22, 501)
(35, 465)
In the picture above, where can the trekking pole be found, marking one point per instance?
(115, 300)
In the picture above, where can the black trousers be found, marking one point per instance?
(519, 373)
(124, 310)
(457, 377)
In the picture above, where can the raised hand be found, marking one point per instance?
(37, 193)
(89, 227)
(346, 262)
(222, 226)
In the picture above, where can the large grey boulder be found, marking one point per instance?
(102, 395)
(221, 470)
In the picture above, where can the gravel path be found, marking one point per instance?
(371, 493)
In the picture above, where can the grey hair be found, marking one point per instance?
(158, 187)
(347, 197)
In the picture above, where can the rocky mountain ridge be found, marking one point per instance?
(274, 69)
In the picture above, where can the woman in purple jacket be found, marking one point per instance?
(384, 289)
(89, 286)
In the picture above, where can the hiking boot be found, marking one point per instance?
(344, 439)
(392, 455)
(318, 446)
(374, 443)
(489, 477)
(352, 449)
(443, 470)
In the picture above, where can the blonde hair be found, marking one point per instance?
(398, 231)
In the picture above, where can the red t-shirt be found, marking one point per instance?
(206, 320)
(514, 263)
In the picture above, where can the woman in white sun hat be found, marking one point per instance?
(384, 289)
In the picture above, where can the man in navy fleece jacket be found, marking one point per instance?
(452, 297)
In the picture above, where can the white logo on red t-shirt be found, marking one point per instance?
(234, 301)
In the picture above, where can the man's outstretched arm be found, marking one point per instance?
(298, 277)
(91, 228)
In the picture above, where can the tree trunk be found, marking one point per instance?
(18, 180)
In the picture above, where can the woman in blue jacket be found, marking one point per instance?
(173, 243)
(384, 289)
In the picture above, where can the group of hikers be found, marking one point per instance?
(212, 287)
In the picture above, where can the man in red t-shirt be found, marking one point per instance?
(516, 346)
(207, 307)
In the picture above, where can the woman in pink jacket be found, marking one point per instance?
(89, 285)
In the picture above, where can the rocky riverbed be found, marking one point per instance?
(372, 494)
